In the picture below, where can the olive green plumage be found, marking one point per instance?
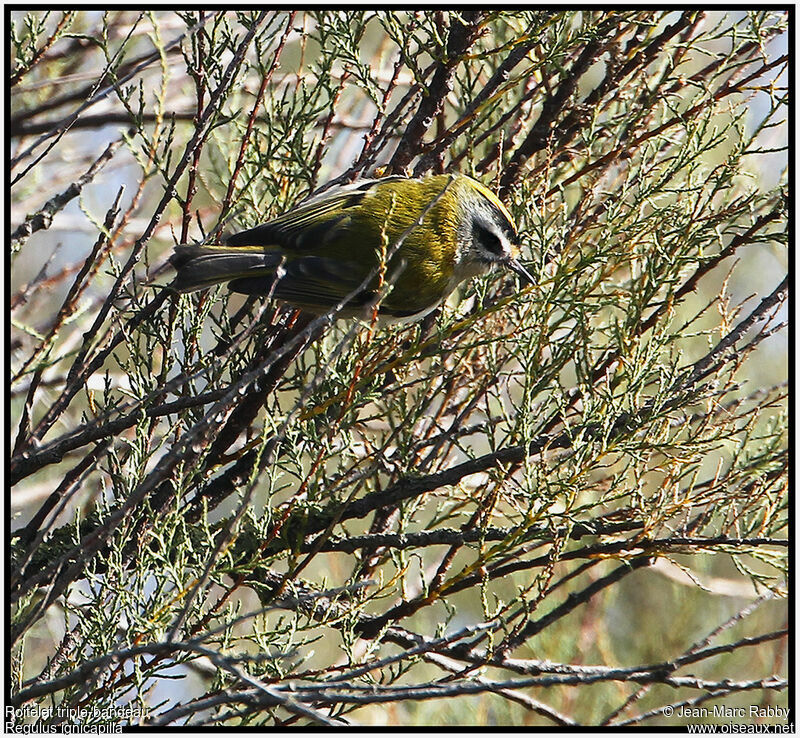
(422, 236)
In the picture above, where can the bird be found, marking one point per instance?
(397, 243)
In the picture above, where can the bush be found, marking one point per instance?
(564, 504)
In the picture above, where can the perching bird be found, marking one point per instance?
(421, 236)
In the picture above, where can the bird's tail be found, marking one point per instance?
(200, 267)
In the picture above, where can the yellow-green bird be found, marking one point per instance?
(420, 237)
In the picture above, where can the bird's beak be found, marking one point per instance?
(520, 270)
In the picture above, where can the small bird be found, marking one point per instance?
(420, 236)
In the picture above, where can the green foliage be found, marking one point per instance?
(564, 504)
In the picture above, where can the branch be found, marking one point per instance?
(42, 219)
(464, 27)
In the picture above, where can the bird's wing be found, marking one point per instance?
(312, 223)
(311, 281)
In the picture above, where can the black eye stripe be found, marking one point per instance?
(488, 240)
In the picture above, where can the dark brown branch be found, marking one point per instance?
(675, 120)
(552, 107)
(82, 367)
(122, 118)
(95, 96)
(82, 94)
(464, 27)
(42, 219)
(501, 75)
(67, 308)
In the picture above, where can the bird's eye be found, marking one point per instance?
(489, 241)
